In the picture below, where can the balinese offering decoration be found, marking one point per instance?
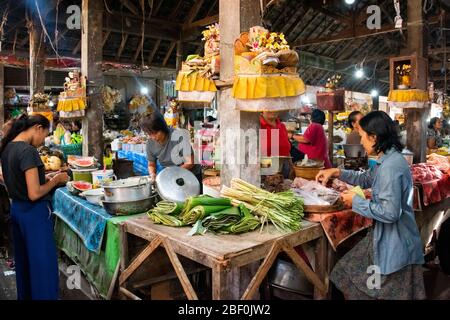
(72, 101)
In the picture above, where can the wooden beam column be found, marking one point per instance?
(2, 95)
(180, 55)
(416, 140)
(237, 16)
(91, 67)
(37, 56)
(239, 130)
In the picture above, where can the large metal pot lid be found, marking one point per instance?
(128, 183)
(177, 184)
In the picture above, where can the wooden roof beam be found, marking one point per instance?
(130, 6)
(153, 52)
(157, 7)
(175, 11)
(317, 6)
(358, 32)
(122, 46)
(194, 11)
(169, 53)
(138, 50)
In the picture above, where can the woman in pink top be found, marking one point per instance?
(314, 142)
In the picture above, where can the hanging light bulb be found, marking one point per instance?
(359, 73)
(374, 93)
(349, 1)
(144, 91)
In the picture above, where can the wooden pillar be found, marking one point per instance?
(37, 57)
(376, 103)
(180, 55)
(416, 140)
(2, 95)
(330, 135)
(236, 16)
(91, 68)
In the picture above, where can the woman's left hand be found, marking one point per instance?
(347, 198)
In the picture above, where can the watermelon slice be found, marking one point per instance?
(84, 162)
(82, 186)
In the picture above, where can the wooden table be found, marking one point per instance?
(225, 254)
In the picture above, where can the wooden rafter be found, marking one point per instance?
(211, 9)
(157, 7)
(105, 37)
(358, 32)
(122, 46)
(130, 6)
(317, 6)
(194, 11)
(138, 50)
(169, 53)
(153, 52)
(77, 48)
(203, 22)
(175, 11)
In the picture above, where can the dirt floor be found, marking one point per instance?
(437, 285)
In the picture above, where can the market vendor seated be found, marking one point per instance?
(314, 142)
(392, 248)
(270, 122)
(434, 135)
(171, 147)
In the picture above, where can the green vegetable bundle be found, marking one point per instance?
(284, 210)
(222, 220)
(166, 213)
(248, 222)
(209, 205)
(199, 212)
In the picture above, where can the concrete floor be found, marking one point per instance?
(437, 285)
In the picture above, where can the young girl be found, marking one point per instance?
(24, 175)
(387, 263)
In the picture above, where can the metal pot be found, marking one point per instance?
(133, 189)
(131, 207)
(286, 275)
(177, 184)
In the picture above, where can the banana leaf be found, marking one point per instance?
(165, 219)
(248, 222)
(203, 201)
(197, 229)
(222, 219)
(199, 212)
(169, 207)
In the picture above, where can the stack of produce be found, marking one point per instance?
(284, 210)
(205, 213)
(440, 162)
(111, 97)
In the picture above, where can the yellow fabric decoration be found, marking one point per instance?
(269, 86)
(193, 82)
(48, 115)
(69, 105)
(408, 95)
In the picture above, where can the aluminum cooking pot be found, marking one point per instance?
(132, 189)
(177, 184)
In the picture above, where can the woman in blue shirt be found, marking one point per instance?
(387, 263)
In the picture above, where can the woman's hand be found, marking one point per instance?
(347, 198)
(325, 175)
(61, 178)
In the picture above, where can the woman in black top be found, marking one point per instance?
(29, 188)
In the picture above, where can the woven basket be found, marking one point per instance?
(308, 173)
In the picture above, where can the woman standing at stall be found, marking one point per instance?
(314, 142)
(434, 135)
(171, 147)
(386, 264)
(272, 125)
(24, 175)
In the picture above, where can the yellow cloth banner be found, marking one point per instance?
(408, 95)
(269, 86)
(48, 115)
(193, 82)
(69, 105)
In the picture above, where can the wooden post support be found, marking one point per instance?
(416, 140)
(237, 16)
(180, 55)
(91, 68)
(330, 135)
(37, 57)
(2, 95)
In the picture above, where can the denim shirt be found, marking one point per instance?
(397, 242)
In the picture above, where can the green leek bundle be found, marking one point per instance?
(284, 210)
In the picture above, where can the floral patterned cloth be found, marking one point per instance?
(355, 279)
(341, 225)
(87, 220)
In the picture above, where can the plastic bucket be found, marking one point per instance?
(82, 175)
(99, 177)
